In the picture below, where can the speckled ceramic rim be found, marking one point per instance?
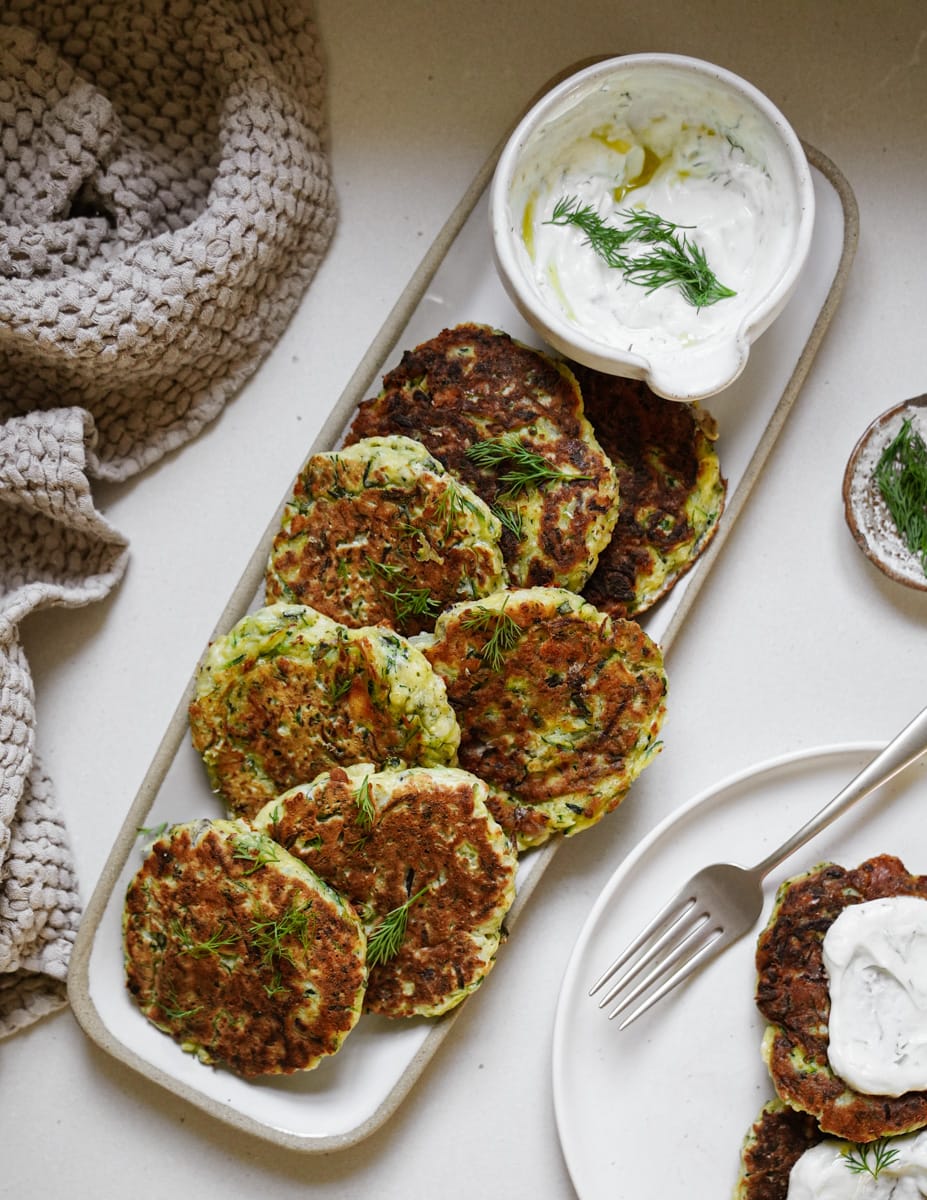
(242, 599)
(854, 501)
(569, 339)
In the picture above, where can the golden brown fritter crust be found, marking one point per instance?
(380, 533)
(424, 828)
(567, 715)
(473, 383)
(239, 953)
(792, 994)
(775, 1142)
(288, 693)
(672, 492)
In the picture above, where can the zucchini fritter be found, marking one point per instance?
(775, 1142)
(559, 706)
(473, 385)
(380, 533)
(419, 844)
(672, 490)
(792, 994)
(240, 953)
(288, 693)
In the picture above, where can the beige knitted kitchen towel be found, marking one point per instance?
(165, 199)
(57, 550)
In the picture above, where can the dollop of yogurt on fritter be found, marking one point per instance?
(875, 954)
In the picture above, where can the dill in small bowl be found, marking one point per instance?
(885, 492)
(901, 475)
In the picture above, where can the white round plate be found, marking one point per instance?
(659, 1110)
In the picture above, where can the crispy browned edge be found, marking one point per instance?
(381, 352)
(773, 1144)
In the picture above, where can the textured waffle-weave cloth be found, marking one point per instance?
(165, 199)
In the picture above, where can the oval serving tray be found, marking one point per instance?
(350, 1095)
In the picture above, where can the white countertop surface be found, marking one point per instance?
(794, 641)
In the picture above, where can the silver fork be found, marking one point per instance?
(720, 903)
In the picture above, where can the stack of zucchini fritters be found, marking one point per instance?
(426, 693)
(854, 1137)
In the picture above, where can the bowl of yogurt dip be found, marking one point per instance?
(650, 218)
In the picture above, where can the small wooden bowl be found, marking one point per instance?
(866, 512)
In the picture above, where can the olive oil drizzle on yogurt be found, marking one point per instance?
(694, 176)
(671, 260)
(643, 227)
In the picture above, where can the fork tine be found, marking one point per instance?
(668, 949)
(663, 923)
(683, 972)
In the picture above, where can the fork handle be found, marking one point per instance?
(900, 752)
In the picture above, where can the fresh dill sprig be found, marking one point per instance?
(407, 601)
(253, 848)
(608, 241)
(172, 1010)
(151, 832)
(684, 267)
(673, 260)
(413, 602)
(901, 477)
(525, 468)
(384, 570)
(510, 519)
(214, 944)
(275, 987)
(270, 934)
(451, 504)
(385, 941)
(504, 637)
(365, 807)
(858, 1158)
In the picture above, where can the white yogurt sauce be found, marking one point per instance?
(824, 1172)
(694, 158)
(875, 954)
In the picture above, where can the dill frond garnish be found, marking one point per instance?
(870, 1158)
(257, 850)
(510, 519)
(408, 601)
(672, 260)
(504, 637)
(383, 944)
(172, 1010)
(365, 807)
(151, 832)
(217, 941)
(524, 467)
(384, 570)
(413, 602)
(451, 504)
(901, 477)
(275, 987)
(270, 934)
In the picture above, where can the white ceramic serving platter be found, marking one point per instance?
(353, 1093)
(662, 1107)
